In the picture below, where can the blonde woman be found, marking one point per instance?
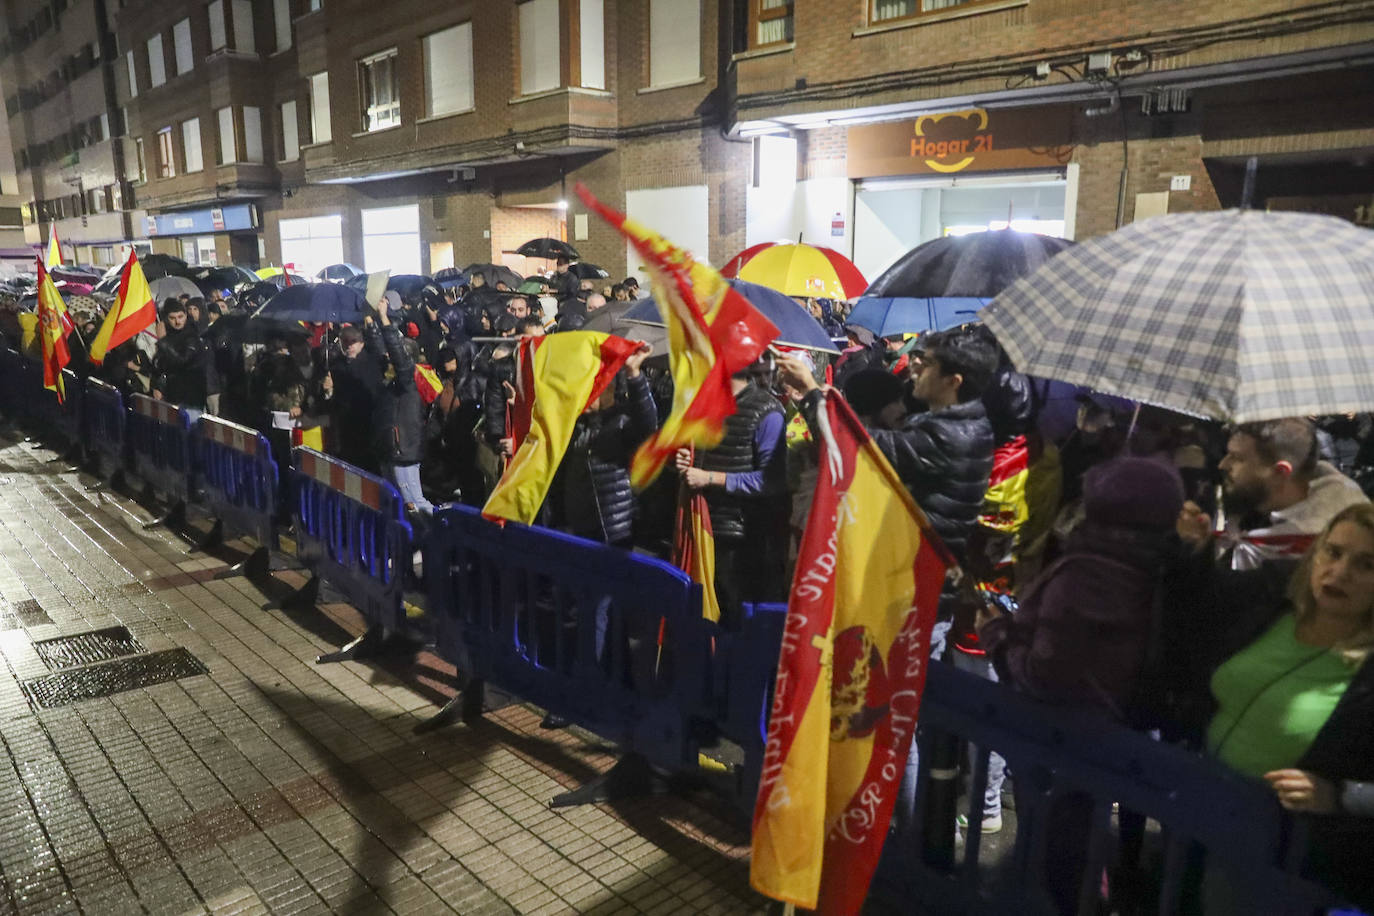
(1295, 702)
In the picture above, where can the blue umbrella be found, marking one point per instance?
(796, 327)
(888, 315)
(315, 303)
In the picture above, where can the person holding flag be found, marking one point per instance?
(54, 324)
(133, 310)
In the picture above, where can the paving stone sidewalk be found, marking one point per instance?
(270, 784)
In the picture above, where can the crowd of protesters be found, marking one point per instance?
(1214, 587)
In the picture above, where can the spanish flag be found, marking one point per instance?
(850, 675)
(427, 383)
(713, 332)
(133, 310)
(556, 377)
(54, 324)
(1005, 507)
(694, 547)
(54, 258)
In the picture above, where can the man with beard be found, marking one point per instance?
(1277, 495)
(179, 363)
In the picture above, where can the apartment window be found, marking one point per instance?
(316, 4)
(190, 142)
(320, 129)
(133, 75)
(228, 145)
(391, 239)
(290, 141)
(166, 154)
(217, 36)
(381, 102)
(181, 41)
(539, 46)
(252, 134)
(243, 26)
(592, 53)
(448, 70)
(103, 132)
(674, 41)
(142, 163)
(281, 16)
(889, 10)
(770, 22)
(157, 64)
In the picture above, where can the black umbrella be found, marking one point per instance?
(548, 248)
(162, 265)
(339, 272)
(255, 295)
(495, 273)
(980, 265)
(315, 303)
(584, 271)
(407, 286)
(213, 279)
(279, 280)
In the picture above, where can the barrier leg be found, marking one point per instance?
(213, 538)
(255, 566)
(465, 705)
(942, 802)
(175, 517)
(303, 598)
(366, 646)
(631, 777)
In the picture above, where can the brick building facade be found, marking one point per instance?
(437, 134)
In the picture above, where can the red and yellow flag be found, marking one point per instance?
(713, 332)
(54, 256)
(1005, 507)
(427, 383)
(694, 547)
(133, 310)
(556, 377)
(54, 324)
(850, 676)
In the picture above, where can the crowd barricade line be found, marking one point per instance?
(102, 428)
(609, 640)
(351, 533)
(159, 435)
(238, 482)
(614, 642)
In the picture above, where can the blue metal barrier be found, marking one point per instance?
(612, 641)
(742, 672)
(102, 424)
(238, 483)
(351, 532)
(1053, 752)
(12, 390)
(159, 436)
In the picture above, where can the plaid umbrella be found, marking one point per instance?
(1237, 315)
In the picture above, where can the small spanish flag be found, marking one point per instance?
(133, 310)
(54, 324)
(427, 382)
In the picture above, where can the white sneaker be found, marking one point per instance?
(992, 823)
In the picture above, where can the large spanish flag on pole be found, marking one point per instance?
(54, 324)
(133, 310)
(54, 256)
(850, 675)
(556, 377)
(713, 332)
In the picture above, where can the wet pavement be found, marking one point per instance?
(227, 773)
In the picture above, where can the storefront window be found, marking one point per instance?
(391, 240)
(312, 243)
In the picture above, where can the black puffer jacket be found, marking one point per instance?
(591, 493)
(735, 516)
(944, 457)
(179, 368)
(494, 396)
(400, 420)
(1010, 405)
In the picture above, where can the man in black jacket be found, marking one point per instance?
(181, 361)
(356, 381)
(399, 420)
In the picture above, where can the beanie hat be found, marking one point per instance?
(1133, 493)
(412, 329)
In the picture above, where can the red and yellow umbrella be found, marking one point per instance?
(798, 270)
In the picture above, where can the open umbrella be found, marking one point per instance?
(800, 270)
(886, 316)
(316, 303)
(172, 287)
(584, 271)
(610, 319)
(1237, 315)
(796, 327)
(407, 286)
(161, 265)
(980, 265)
(214, 279)
(495, 273)
(338, 272)
(548, 248)
(450, 277)
(280, 280)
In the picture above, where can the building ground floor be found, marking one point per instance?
(870, 190)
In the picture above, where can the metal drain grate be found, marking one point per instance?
(112, 677)
(87, 648)
(23, 614)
